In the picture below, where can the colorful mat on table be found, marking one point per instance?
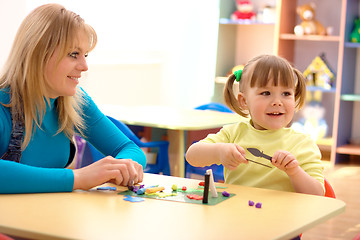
(181, 196)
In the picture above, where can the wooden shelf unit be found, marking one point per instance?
(291, 36)
(343, 13)
(348, 149)
(238, 42)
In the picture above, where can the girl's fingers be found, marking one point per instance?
(290, 164)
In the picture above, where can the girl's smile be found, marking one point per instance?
(270, 107)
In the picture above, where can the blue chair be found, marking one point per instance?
(162, 160)
(218, 170)
(80, 148)
(215, 106)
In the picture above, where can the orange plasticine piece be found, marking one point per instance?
(154, 190)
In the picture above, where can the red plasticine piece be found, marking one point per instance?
(194, 196)
(183, 188)
(202, 184)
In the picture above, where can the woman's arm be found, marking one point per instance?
(21, 178)
(124, 161)
(108, 138)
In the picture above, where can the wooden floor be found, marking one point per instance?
(345, 180)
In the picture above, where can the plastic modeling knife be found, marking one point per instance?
(257, 153)
(258, 163)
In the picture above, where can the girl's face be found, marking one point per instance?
(64, 77)
(270, 107)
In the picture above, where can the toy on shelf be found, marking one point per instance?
(312, 119)
(319, 73)
(355, 34)
(244, 11)
(309, 25)
(267, 14)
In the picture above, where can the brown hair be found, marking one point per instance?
(258, 71)
(41, 32)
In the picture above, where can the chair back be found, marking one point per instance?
(214, 106)
(194, 136)
(126, 130)
(162, 160)
(5, 237)
(329, 191)
(80, 148)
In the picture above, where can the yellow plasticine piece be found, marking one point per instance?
(161, 194)
(154, 190)
(164, 195)
(174, 187)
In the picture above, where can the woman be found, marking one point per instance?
(42, 108)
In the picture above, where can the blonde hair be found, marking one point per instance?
(258, 72)
(46, 28)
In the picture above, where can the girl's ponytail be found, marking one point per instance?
(229, 97)
(300, 89)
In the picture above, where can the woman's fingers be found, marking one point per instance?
(123, 171)
(140, 171)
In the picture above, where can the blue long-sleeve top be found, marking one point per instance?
(42, 164)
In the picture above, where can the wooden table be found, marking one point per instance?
(175, 120)
(105, 215)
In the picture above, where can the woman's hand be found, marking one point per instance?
(121, 172)
(285, 161)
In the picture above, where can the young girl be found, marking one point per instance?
(264, 152)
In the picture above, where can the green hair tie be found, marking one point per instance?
(238, 75)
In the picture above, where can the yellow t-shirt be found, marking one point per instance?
(245, 135)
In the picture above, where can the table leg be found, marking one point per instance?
(176, 152)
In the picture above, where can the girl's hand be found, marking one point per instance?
(285, 161)
(231, 155)
(121, 172)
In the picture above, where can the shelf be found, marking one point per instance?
(352, 45)
(222, 80)
(349, 149)
(350, 97)
(325, 144)
(227, 21)
(324, 141)
(314, 88)
(289, 36)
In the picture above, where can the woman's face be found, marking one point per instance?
(62, 79)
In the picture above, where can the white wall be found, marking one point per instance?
(11, 15)
(149, 52)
